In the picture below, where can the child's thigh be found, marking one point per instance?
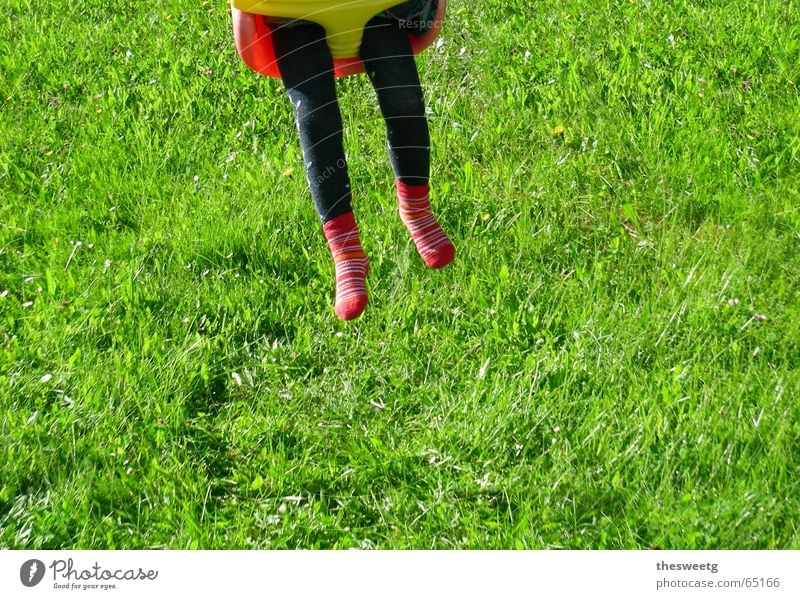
(385, 39)
(302, 52)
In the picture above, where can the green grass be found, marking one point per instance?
(611, 362)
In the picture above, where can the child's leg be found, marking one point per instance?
(389, 62)
(306, 68)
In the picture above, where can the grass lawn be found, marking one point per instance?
(611, 362)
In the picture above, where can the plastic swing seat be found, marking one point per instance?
(343, 20)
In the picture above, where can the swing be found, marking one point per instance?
(343, 20)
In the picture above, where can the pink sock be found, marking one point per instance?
(432, 243)
(351, 265)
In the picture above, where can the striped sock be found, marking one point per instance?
(432, 243)
(351, 265)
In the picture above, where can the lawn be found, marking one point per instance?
(612, 361)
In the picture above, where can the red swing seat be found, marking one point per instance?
(253, 37)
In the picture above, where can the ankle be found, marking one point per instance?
(407, 192)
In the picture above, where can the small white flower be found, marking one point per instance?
(238, 379)
(46, 378)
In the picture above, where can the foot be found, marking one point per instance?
(351, 266)
(433, 245)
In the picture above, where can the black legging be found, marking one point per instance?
(306, 67)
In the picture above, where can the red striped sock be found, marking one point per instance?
(432, 243)
(351, 265)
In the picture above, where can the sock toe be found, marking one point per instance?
(352, 308)
(442, 256)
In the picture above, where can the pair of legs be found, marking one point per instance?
(306, 67)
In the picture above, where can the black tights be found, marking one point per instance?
(306, 67)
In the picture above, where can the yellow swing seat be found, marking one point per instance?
(343, 21)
